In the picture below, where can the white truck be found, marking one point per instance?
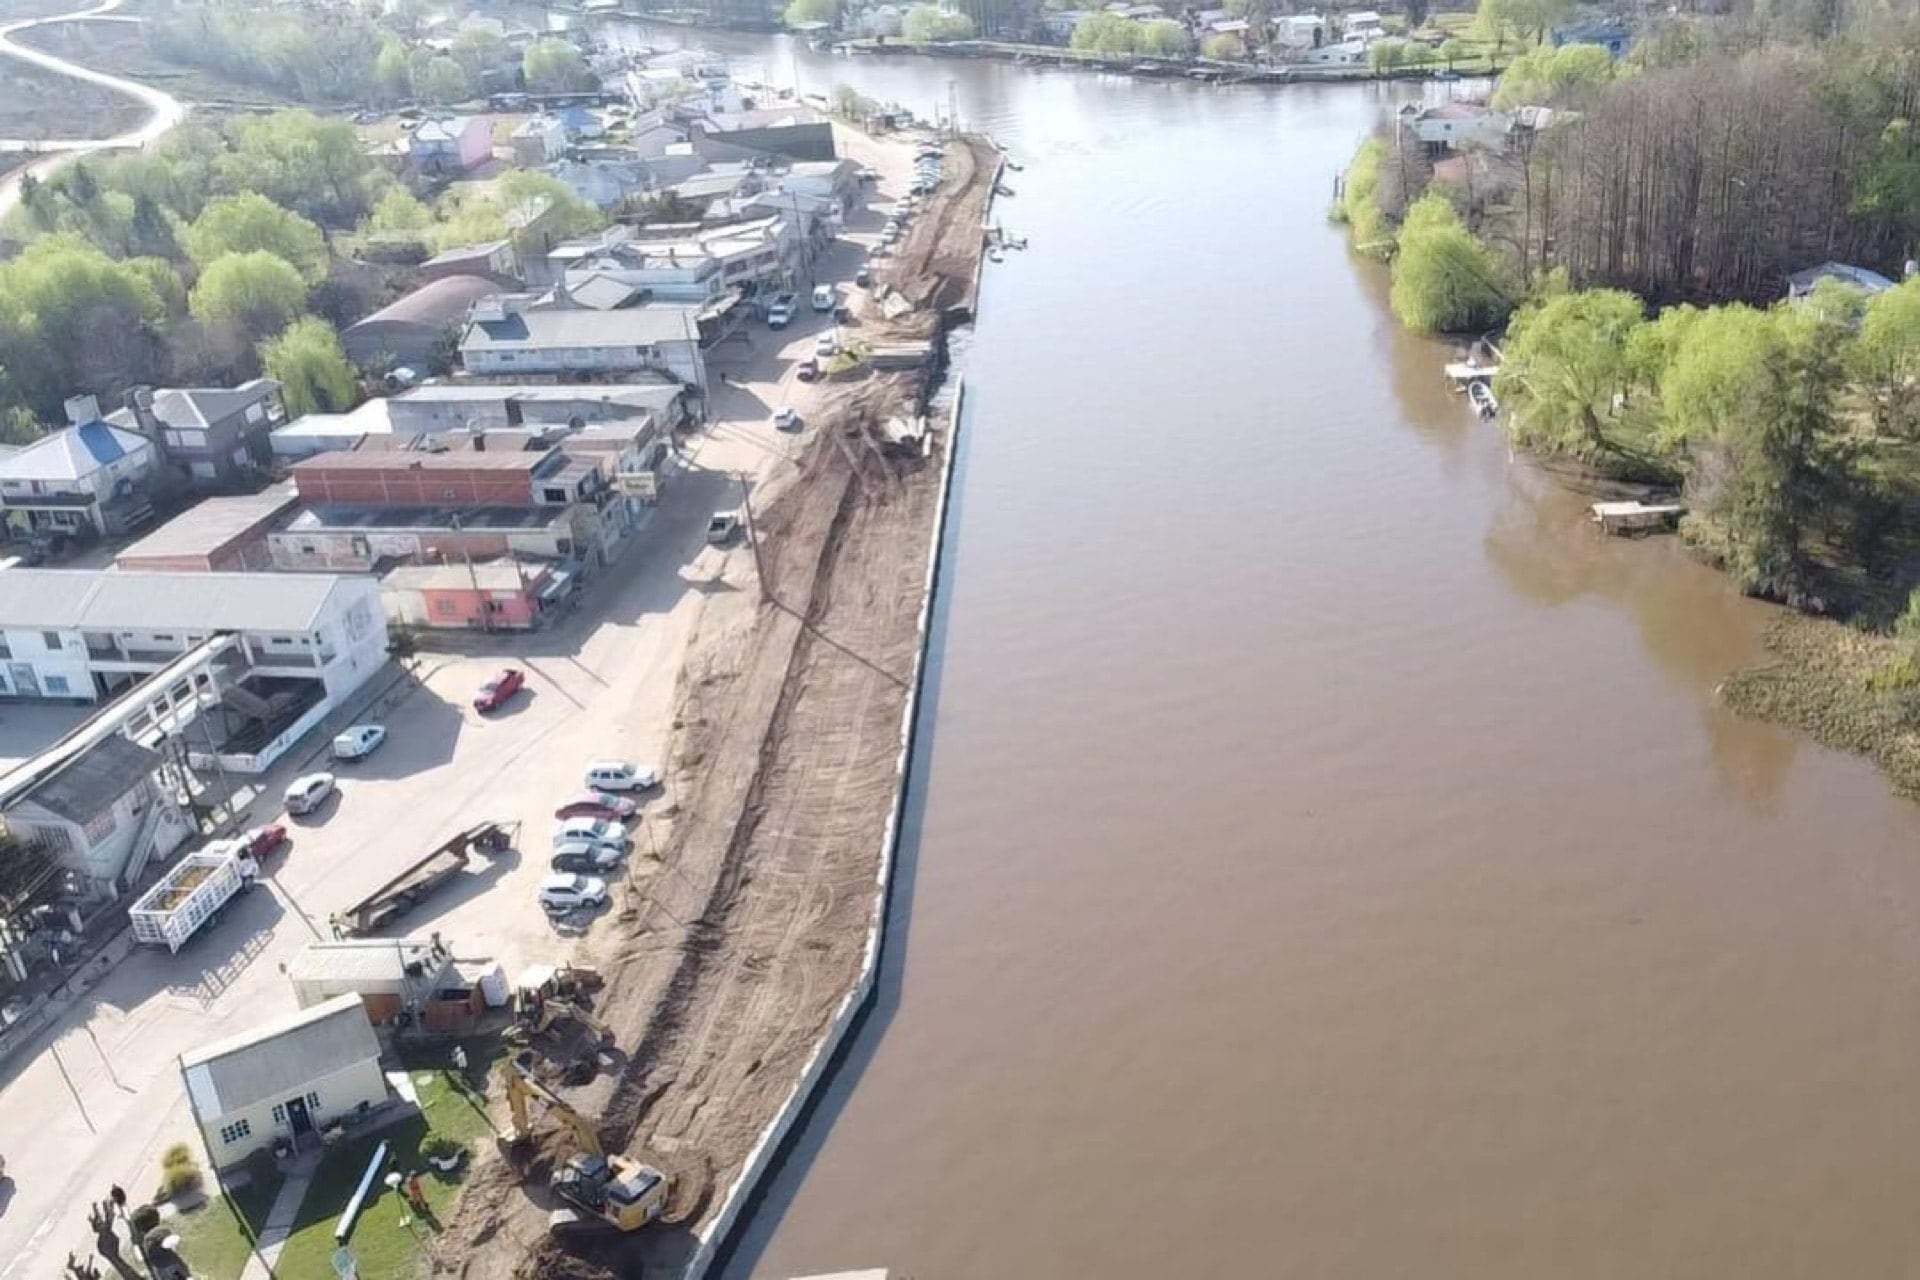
(191, 894)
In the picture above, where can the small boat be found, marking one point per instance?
(1003, 190)
(1015, 165)
(1483, 399)
(994, 255)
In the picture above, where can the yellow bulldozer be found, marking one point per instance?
(602, 1190)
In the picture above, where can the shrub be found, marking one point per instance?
(179, 1172)
(438, 1146)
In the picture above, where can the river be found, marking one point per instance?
(1328, 859)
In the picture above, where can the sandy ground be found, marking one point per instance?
(673, 633)
(726, 965)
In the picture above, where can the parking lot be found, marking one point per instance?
(100, 1099)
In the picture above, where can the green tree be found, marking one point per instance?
(1223, 48)
(1453, 52)
(1565, 365)
(1164, 38)
(800, 12)
(441, 81)
(239, 224)
(1759, 388)
(399, 210)
(311, 367)
(392, 73)
(1500, 20)
(1444, 280)
(524, 191)
(554, 66)
(73, 319)
(1549, 77)
(1359, 204)
(1888, 188)
(478, 51)
(315, 167)
(254, 292)
(927, 23)
(1886, 358)
(1107, 33)
(1257, 14)
(1387, 56)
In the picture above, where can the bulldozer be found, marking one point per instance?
(603, 1190)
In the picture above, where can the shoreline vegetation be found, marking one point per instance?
(1635, 232)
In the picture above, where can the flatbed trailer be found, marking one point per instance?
(419, 880)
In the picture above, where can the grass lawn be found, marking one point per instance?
(217, 1238)
(389, 1242)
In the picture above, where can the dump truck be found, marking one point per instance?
(191, 894)
(420, 879)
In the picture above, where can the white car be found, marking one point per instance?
(620, 775)
(562, 892)
(785, 419)
(308, 792)
(827, 345)
(359, 742)
(823, 297)
(602, 831)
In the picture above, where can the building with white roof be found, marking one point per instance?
(285, 1080)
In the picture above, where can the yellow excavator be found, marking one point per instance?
(610, 1190)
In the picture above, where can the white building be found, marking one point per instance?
(508, 338)
(99, 814)
(81, 480)
(284, 1080)
(1299, 32)
(296, 643)
(1347, 53)
(1448, 126)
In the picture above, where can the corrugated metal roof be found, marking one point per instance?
(437, 304)
(212, 523)
(279, 1059)
(366, 960)
(71, 453)
(633, 327)
(89, 785)
(79, 599)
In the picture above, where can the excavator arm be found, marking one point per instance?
(521, 1086)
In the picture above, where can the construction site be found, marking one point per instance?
(739, 937)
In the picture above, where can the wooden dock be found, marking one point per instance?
(1634, 517)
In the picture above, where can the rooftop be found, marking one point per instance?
(122, 600)
(200, 406)
(70, 453)
(89, 784)
(212, 523)
(388, 460)
(279, 1058)
(435, 304)
(368, 959)
(466, 253)
(632, 327)
(448, 130)
(440, 519)
(1860, 277)
(494, 575)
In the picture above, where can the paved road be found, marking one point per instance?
(163, 109)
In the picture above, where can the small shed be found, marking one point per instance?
(397, 979)
(285, 1079)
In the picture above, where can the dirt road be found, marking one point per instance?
(163, 109)
(733, 951)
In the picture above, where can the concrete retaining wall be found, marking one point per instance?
(741, 1194)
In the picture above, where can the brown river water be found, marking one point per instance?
(1327, 858)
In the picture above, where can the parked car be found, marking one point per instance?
(808, 371)
(564, 892)
(261, 841)
(824, 297)
(781, 310)
(494, 693)
(597, 804)
(580, 856)
(864, 277)
(46, 546)
(826, 346)
(308, 792)
(722, 526)
(619, 775)
(785, 419)
(600, 831)
(359, 742)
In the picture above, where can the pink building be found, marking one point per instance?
(500, 595)
(452, 146)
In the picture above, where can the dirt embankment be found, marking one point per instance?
(729, 959)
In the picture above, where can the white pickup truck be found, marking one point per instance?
(781, 310)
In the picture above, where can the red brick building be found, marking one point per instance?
(457, 479)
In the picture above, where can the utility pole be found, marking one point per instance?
(953, 108)
(753, 539)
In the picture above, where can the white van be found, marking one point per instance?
(618, 775)
(823, 299)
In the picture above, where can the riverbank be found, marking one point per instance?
(751, 941)
(1204, 70)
